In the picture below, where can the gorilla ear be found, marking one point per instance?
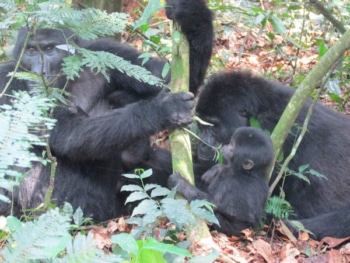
(248, 164)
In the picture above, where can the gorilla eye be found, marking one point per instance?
(49, 48)
(31, 50)
(244, 113)
(248, 164)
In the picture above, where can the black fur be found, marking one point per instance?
(230, 99)
(96, 136)
(238, 188)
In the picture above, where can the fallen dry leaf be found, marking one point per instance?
(264, 249)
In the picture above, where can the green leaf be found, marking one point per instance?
(136, 196)
(67, 209)
(177, 212)
(145, 58)
(165, 248)
(146, 174)
(317, 174)
(277, 24)
(148, 255)
(151, 216)
(41, 239)
(302, 177)
(303, 167)
(78, 218)
(84, 249)
(152, 7)
(322, 49)
(203, 209)
(144, 207)
(334, 97)
(131, 176)
(127, 242)
(13, 223)
(159, 191)
(333, 86)
(131, 188)
(299, 226)
(165, 70)
(253, 122)
(279, 207)
(259, 19)
(148, 187)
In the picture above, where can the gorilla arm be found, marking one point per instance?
(79, 137)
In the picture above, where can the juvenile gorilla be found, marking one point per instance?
(230, 99)
(238, 188)
(94, 134)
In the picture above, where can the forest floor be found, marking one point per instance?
(263, 246)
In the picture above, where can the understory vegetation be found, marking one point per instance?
(279, 39)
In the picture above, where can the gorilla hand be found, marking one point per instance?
(177, 108)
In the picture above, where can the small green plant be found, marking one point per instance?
(155, 203)
(148, 250)
(158, 202)
(303, 171)
(48, 239)
(279, 207)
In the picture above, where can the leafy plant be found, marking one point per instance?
(48, 239)
(158, 202)
(22, 125)
(148, 250)
(279, 207)
(302, 171)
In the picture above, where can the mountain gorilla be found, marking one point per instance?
(238, 188)
(95, 134)
(230, 99)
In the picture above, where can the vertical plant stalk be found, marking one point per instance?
(180, 77)
(179, 138)
(300, 96)
(49, 191)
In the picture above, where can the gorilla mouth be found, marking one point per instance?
(205, 152)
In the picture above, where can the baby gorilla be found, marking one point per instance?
(238, 187)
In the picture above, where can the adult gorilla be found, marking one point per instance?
(230, 99)
(94, 133)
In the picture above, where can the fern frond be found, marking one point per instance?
(20, 126)
(84, 249)
(101, 61)
(93, 23)
(87, 23)
(7, 5)
(279, 207)
(40, 239)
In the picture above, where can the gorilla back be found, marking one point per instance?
(230, 99)
(93, 133)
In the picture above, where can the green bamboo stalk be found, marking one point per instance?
(179, 138)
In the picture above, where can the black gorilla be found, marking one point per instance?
(95, 134)
(230, 99)
(238, 188)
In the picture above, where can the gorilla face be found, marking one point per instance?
(44, 51)
(224, 113)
